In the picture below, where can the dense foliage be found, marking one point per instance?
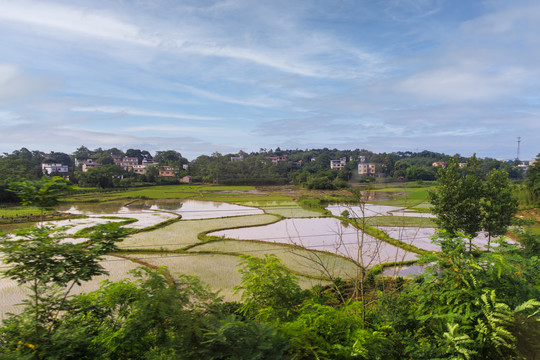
(309, 168)
(467, 305)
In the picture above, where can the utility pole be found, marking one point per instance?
(519, 141)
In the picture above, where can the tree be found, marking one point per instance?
(456, 202)
(102, 176)
(40, 258)
(498, 204)
(533, 178)
(168, 157)
(268, 288)
(43, 193)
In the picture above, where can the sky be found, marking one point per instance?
(200, 76)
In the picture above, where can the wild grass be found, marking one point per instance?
(185, 232)
(10, 211)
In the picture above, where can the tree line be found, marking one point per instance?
(308, 168)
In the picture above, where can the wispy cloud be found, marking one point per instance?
(83, 21)
(15, 84)
(145, 113)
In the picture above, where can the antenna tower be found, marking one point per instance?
(519, 141)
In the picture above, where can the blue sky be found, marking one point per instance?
(200, 76)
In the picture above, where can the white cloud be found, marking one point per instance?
(138, 112)
(461, 84)
(15, 84)
(72, 19)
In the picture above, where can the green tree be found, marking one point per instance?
(42, 259)
(474, 306)
(457, 201)
(43, 193)
(498, 204)
(533, 179)
(268, 289)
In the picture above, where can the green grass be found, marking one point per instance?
(12, 211)
(186, 232)
(408, 197)
(400, 221)
(233, 194)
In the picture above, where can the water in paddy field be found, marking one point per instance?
(189, 209)
(196, 209)
(375, 210)
(326, 234)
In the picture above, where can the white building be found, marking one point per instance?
(49, 169)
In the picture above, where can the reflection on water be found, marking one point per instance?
(404, 270)
(189, 209)
(368, 210)
(326, 234)
(113, 207)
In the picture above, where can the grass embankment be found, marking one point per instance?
(19, 214)
(171, 192)
(412, 198)
(400, 221)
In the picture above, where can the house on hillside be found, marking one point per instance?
(49, 169)
(126, 162)
(439, 163)
(366, 169)
(237, 158)
(139, 169)
(276, 159)
(167, 171)
(338, 164)
(89, 164)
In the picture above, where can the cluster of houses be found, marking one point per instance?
(127, 163)
(364, 168)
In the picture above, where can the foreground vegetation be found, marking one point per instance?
(458, 309)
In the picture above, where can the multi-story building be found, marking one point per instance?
(49, 169)
(237, 158)
(126, 162)
(338, 164)
(366, 169)
(167, 171)
(89, 164)
(277, 159)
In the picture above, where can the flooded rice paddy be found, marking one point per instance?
(325, 234)
(189, 209)
(369, 210)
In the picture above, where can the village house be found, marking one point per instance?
(49, 169)
(276, 159)
(366, 169)
(439, 163)
(338, 164)
(167, 171)
(89, 164)
(126, 162)
(139, 169)
(237, 158)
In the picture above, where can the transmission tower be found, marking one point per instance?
(519, 141)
